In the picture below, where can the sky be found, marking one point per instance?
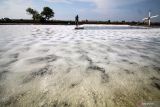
(114, 10)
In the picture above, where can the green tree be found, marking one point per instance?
(34, 13)
(47, 13)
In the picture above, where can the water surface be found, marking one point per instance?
(58, 66)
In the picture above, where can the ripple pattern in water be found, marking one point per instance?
(57, 66)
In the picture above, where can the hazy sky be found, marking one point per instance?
(115, 10)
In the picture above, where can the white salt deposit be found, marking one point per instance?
(57, 66)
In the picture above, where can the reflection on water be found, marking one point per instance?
(56, 66)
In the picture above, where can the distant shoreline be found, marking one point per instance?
(71, 22)
(55, 24)
(153, 26)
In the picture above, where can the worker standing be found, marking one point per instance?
(76, 21)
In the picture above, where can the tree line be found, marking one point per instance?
(45, 15)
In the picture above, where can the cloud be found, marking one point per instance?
(59, 1)
(114, 3)
(15, 8)
(101, 4)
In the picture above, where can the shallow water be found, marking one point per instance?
(58, 66)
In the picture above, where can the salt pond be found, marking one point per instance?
(58, 66)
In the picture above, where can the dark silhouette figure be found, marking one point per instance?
(76, 20)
